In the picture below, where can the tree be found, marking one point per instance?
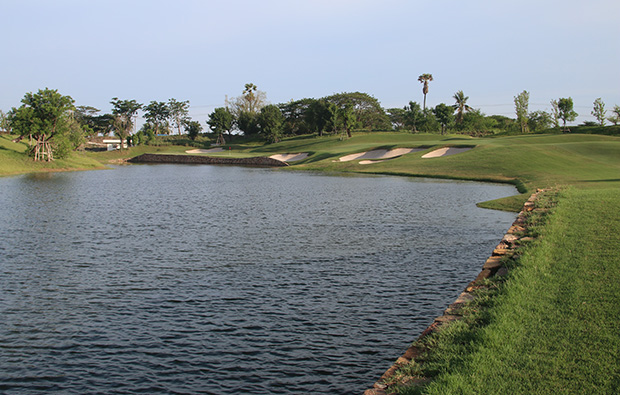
(193, 128)
(157, 113)
(539, 120)
(297, 115)
(615, 119)
(86, 116)
(397, 117)
(367, 110)
(270, 120)
(425, 79)
(5, 124)
(555, 113)
(43, 115)
(123, 112)
(413, 115)
(346, 119)
(179, 113)
(251, 101)
(460, 106)
(476, 121)
(444, 114)
(221, 120)
(521, 108)
(319, 116)
(566, 112)
(599, 111)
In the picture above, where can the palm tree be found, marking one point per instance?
(461, 105)
(425, 78)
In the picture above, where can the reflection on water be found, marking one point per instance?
(204, 279)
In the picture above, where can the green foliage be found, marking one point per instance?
(368, 112)
(615, 118)
(566, 112)
(157, 113)
(5, 124)
(414, 115)
(461, 106)
(539, 121)
(319, 116)
(221, 120)
(193, 128)
(123, 112)
(247, 122)
(476, 121)
(425, 79)
(521, 108)
(270, 122)
(444, 115)
(599, 111)
(178, 113)
(44, 116)
(297, 116)
(397, 117)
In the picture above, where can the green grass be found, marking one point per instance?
(13, 160)
(553, 326)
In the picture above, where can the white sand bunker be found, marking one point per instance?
(204, 151)
(378, 154)
(445, 151)
(290, 157)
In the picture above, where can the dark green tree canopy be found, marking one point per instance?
(123, 112)
(566, 112)
(367, 110)
(221, 120)
(157, 113)
(270, 122)
(444, 115)
(43, 115)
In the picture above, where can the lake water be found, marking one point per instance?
(226, 280)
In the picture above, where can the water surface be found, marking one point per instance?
(227, 280)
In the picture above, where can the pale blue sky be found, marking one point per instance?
(201, 51)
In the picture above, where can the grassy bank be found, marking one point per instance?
(13, 160)
(553, 326)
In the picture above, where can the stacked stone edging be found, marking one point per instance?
(494, 266)
(259, 161)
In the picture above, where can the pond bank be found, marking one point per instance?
(259, 161)
(497, 265)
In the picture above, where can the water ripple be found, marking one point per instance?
(215, 280)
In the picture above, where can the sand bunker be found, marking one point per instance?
(445, 151)
(204, 151)
(379, 154)
(290, 157)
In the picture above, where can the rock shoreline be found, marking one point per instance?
(259, 161)
(493, 266)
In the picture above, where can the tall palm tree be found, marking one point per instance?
(461, 105)
(425, 78)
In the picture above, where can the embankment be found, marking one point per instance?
(207, 160)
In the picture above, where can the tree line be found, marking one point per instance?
(55, 125)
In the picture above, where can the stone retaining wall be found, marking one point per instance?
(494, 266)
(260, 161)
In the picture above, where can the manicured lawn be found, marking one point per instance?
(553, 326)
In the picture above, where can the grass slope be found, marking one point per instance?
(554, 326)
(13, 160)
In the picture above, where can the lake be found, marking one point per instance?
(179, 279)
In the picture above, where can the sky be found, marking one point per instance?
(206, 50)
